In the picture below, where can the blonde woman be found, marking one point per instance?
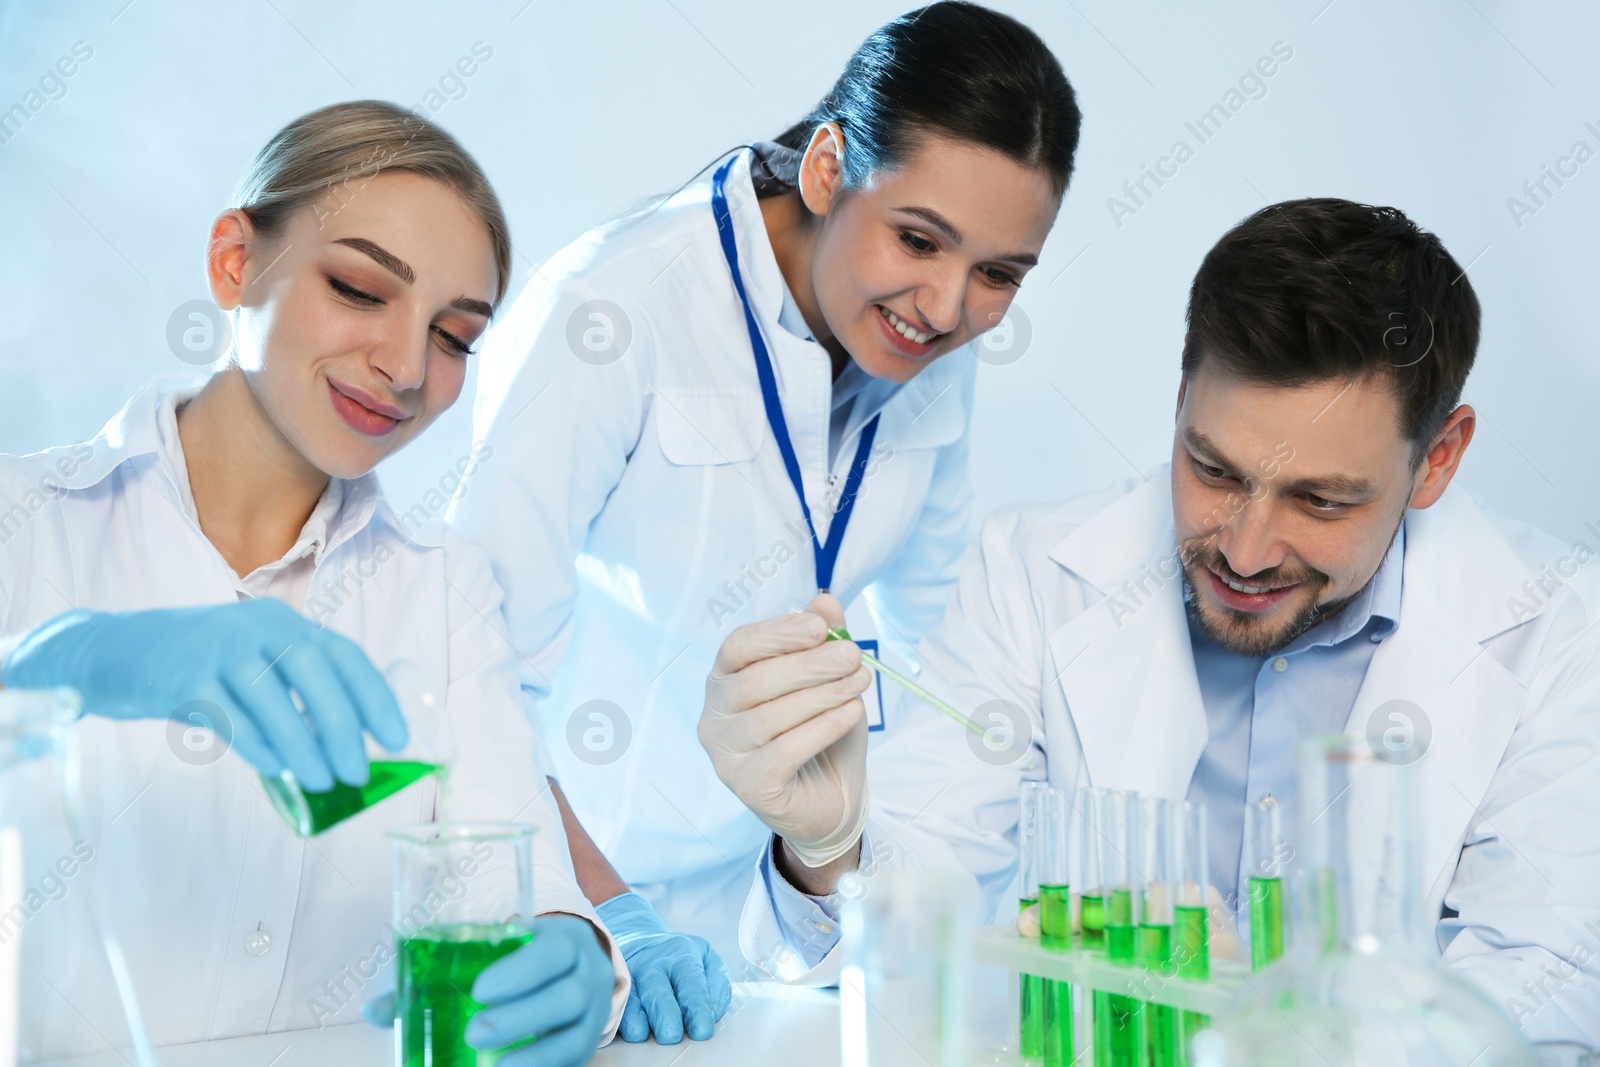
(169, 561)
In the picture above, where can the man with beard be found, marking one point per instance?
(1303, 568)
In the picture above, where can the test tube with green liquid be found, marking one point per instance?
(1264, 852)
(1191, 940)
(1032, 817)
(1153, 947)
(1055, 927)
(1118, 1019)
(1091, 901)
(427, 751)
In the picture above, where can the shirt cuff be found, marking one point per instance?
(810, 924)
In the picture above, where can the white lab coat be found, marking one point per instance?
(194, 859)
(637, 510)
(1507, 674)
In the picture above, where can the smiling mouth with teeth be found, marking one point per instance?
(904, 329)
(1253, 590)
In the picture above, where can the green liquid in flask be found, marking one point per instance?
(1266, 921)
(308, 813)
(433, 1001)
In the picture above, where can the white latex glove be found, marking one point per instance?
(786, 729)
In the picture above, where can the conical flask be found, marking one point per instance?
(1360, 985)
(64, 988)
(429, 748)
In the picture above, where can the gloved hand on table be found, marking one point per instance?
(679, 983)
(786, 729)
(244, 659)
(556, 988)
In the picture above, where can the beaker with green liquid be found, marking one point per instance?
(428, 750)
(463, 898)
(1265, 851)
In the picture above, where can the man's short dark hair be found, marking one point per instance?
(1323, 290)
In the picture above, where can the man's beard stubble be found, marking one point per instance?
(1242, 632)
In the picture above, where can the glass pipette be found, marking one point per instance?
(841, 634)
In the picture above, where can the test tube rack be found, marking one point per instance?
(1003, 947)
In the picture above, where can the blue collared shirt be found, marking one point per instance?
(1258, 708)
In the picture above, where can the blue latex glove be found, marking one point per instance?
(678, 981)
(244, 659)
(557, 988)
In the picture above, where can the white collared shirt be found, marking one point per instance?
(231, 923)
(289, 578)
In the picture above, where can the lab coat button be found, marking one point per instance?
(823, 928)
(1280, 664)
(258, 942)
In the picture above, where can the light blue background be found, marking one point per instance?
(1443, 109)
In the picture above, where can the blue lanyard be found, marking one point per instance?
(825, 554)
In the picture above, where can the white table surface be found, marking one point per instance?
(766, 1023)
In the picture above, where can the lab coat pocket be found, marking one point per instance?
(705, 426)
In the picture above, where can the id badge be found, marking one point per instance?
(873, 697)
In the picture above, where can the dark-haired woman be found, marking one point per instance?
(705, 412)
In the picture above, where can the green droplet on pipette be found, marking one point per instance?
(841, 634)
